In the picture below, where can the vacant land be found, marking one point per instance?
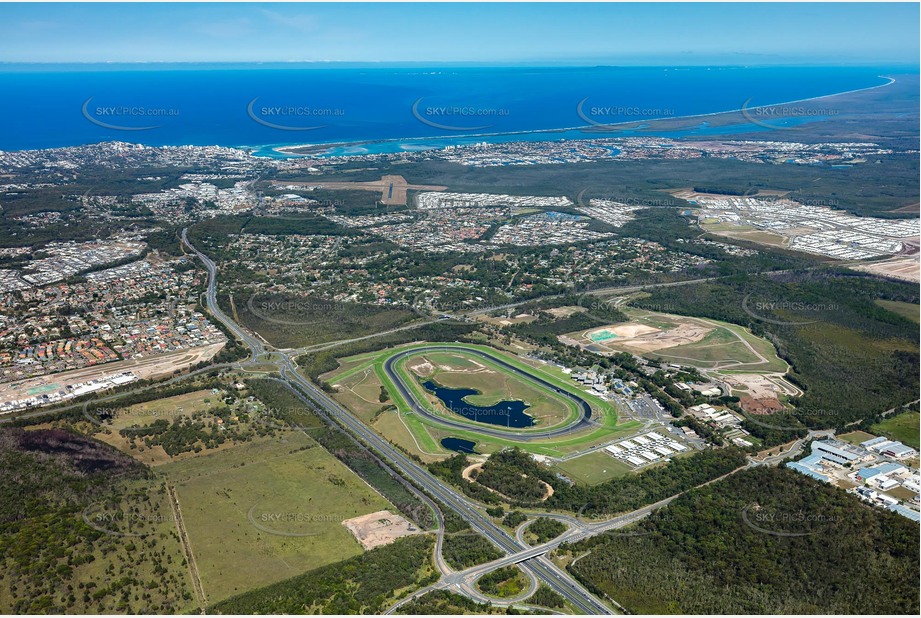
(904, 427)
(380, 528)
(291, 321)
(697, 342)
(902, 268)
(268, 510)
(856, 437)
(906, 310)
(592, 468)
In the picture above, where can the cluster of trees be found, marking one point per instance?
(762, 541)
(360, 585)
(192, 434)
(547, 597)
(451, 469)
(544, 529)
(514, 519)
(616, 495)
(501, 473)
(505, 582)
(463, 550)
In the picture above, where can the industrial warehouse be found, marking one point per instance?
(873, 470)
(646, 449)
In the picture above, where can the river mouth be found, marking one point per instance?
(509, 414)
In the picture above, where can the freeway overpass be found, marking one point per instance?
(539, 566)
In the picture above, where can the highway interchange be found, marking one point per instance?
(533, 561)
(535, 564)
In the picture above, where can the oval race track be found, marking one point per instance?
(583, 422)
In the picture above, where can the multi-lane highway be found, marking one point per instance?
(536, 566)
(255, 345)
(540, 566)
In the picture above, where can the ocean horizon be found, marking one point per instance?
(363, 110)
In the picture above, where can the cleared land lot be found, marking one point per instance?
(593, 468)
(905, 428)
(380, 528)
(906, 310)
(904, 268)
(856, 437)
(268, 510)
(697, 342)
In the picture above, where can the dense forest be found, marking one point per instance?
(763, 541)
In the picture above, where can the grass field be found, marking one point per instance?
(856, 437)
(593, 468)
(903, 427)
(268, 510)
(906, 310)
(422, 437)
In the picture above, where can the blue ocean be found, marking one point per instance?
(375, 109)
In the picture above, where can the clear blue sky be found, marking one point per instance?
(492, 33)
